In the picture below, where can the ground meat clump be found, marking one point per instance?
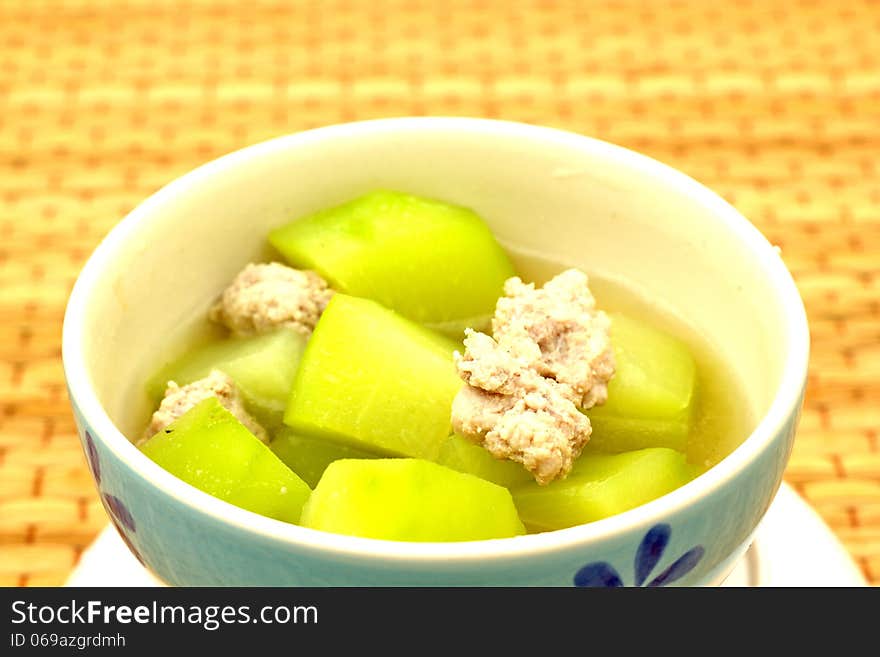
(264, 297)
(571, 334)
(495, 367)
(514, 412)
(179, 399)
(550, 355)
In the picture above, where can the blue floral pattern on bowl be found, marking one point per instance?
(119, 514)
(648, 555)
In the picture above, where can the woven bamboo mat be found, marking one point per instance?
(775, 105)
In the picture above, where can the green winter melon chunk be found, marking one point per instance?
(309, 456)
(409, 500)
(375, 380)
(461, 454)
(207, 447)
(652, 393)
(263, 368)
(602, 485)
(433, 262)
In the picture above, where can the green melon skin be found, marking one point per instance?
(263, 368)
(652, 394)
(462, 455)
(409, 500)
(309, 456)
(435, 263)
(374, 380)
(602, 485)
(207, 447)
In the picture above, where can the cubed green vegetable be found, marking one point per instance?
(375, 380)
(309, 456)
(602, 485)
(435, 263)
(263, 368)
(409, 500)
(207, 447)
(651, 397)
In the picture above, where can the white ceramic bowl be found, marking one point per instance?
(608, 210)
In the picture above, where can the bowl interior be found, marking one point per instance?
(615, 214)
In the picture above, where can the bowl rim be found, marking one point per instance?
(784, 407)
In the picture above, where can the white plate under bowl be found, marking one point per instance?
(792, 547)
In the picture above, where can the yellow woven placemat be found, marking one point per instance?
(776, 105)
